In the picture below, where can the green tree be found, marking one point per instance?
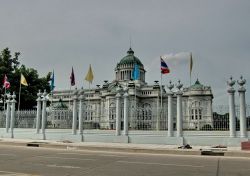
(11, 67)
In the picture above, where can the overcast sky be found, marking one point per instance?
(59, 34)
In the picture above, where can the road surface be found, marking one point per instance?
(26, 161)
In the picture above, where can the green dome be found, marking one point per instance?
(197, 86)
(60, 105)
(130, 59)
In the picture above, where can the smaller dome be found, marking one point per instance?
(197, 86)
(130, 59)
(60, 105)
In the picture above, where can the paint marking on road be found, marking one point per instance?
(163, 164)
(15, 173)
(108, 155)
(5, 154)
(66, 167)
(75, 154)
(54, 157)
(112, 155)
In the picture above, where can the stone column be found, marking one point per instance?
(179, 110)
(8, 113)
(81, 97)
(125, 122)
(170, 110)
(232, 116)
(118, 114)
(38, 112)
(12, 120)
(74, 121)
(44, 115)
(242, 90)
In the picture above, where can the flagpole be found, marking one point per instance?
(88, 103)
(190, 68)
(69, 94)
(19, 100)
(4, 98)
(190, 78)
(161, 96)
(51, 99)
(135, 95)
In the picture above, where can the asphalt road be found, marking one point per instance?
(41, 161)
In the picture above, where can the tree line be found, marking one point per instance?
(12, 68)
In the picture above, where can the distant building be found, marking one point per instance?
(144, 101)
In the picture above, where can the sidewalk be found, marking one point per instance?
(124, 147)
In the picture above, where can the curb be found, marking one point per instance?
(73, 146)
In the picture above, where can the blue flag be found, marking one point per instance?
(52, 81)
(135, 73)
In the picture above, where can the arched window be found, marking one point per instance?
(196, 111)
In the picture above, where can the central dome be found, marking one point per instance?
(130, 59)
(125, 68)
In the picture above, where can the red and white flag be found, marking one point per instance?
(6, 83)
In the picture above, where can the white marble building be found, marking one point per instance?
(99, 104)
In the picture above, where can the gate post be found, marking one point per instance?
(12, 120)
(74, 121)
(44, 115)
(118, 113)
(232, 118)
(179, 110)
(242, 91)
(125, 111)
(8, 113)
(81, 98)
(38, 112)
(170, 110)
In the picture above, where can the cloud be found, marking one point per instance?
(60, 34)
(172, 60)
(177, 59)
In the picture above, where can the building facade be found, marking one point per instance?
(147, 104)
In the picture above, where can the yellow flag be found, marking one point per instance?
(23, 80)
(191, 63)
(89, 77)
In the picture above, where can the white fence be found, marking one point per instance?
(140, 119)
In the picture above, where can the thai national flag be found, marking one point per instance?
(164, 67)
(6, 83)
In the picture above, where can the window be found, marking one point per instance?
(196, 111)
(192, 114)
(112, 111)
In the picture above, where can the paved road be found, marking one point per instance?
(41, 161)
